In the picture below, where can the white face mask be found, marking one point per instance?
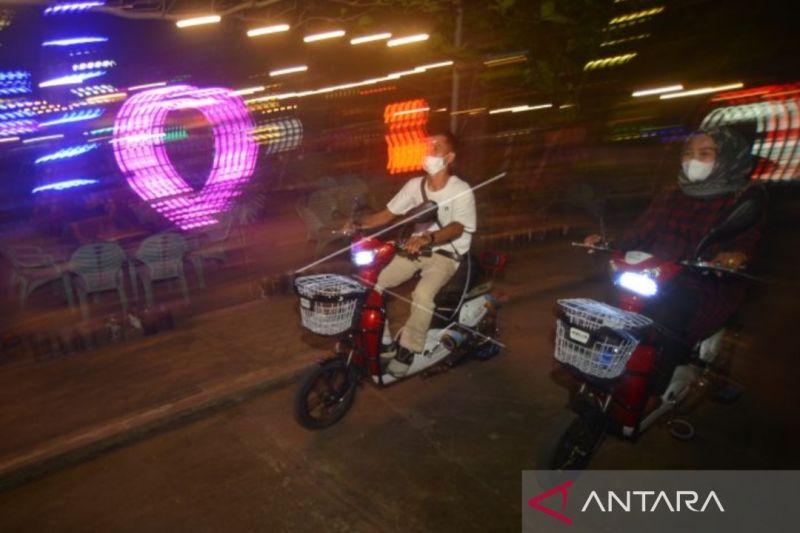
(697, 170)
(433, 164)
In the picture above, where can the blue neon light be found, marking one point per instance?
(61, 185)
(66, 153)
(72, 79)
(75, 116)
(14, 82)
(75, 40)
(93, 65)
(93, 90)
(14, 75)
(15, 127)
(22, 113)
(73, 7)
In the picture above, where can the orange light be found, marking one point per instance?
(407, 138)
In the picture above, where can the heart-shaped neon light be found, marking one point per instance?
(141, 153)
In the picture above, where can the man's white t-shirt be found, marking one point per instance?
(456, 203)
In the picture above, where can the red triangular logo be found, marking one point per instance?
(562, 489)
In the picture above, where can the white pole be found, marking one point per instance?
(456, 85)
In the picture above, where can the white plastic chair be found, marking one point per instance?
(162, 259)
(98, 268)
(213, 244)
(31, 269)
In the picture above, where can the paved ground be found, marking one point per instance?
(437, 454)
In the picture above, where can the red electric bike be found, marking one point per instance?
(613, 351)
(464, 324)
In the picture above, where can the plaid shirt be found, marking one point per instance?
(673, 226)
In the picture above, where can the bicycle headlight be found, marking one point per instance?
(642, 283)
(363, 257)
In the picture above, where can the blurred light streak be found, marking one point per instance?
(99, 131)
(43, 138)
(375, 90)
(370, 38)
(508, 60)
(430, 66)
(198, 21)
(668, 133)
(746, 93)
(8, 139)
(612, 61)
(519, 109)
(151, 174)
(92, 90)
(777, 122)
(266, 30)
(106, 98)
(75, 40)
(17, 127)
(75, 116)
(704, 90)
(400, 74)
(657, 90)
(91, 65)
(15, 82)
(407, 137)
(73, 7)
(399, 41)
(61, 185)
(412, 111)
(72, 79)
(279, 135)
(249, 90)
(473, 111)
(372, 81)
(625, 40)
(147, 86)
(288, 70)
(637, 15)
(66, 153)
(323, 36)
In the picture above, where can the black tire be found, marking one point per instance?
(573, 442)
(333, 386)
(488, 346)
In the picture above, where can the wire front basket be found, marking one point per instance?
(328, 302)
(595, 338)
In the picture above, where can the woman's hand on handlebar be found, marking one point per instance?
(593, 240)
(730, 260)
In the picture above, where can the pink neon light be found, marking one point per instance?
(140, 150)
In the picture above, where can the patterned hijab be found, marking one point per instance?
(731, 170)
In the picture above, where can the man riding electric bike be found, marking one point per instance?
(449, 236)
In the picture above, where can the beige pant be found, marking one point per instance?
(436, 270)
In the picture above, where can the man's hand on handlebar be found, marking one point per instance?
(349, 228)
(417, 243)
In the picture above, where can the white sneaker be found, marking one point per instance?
(388, 352)
(397, 368)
